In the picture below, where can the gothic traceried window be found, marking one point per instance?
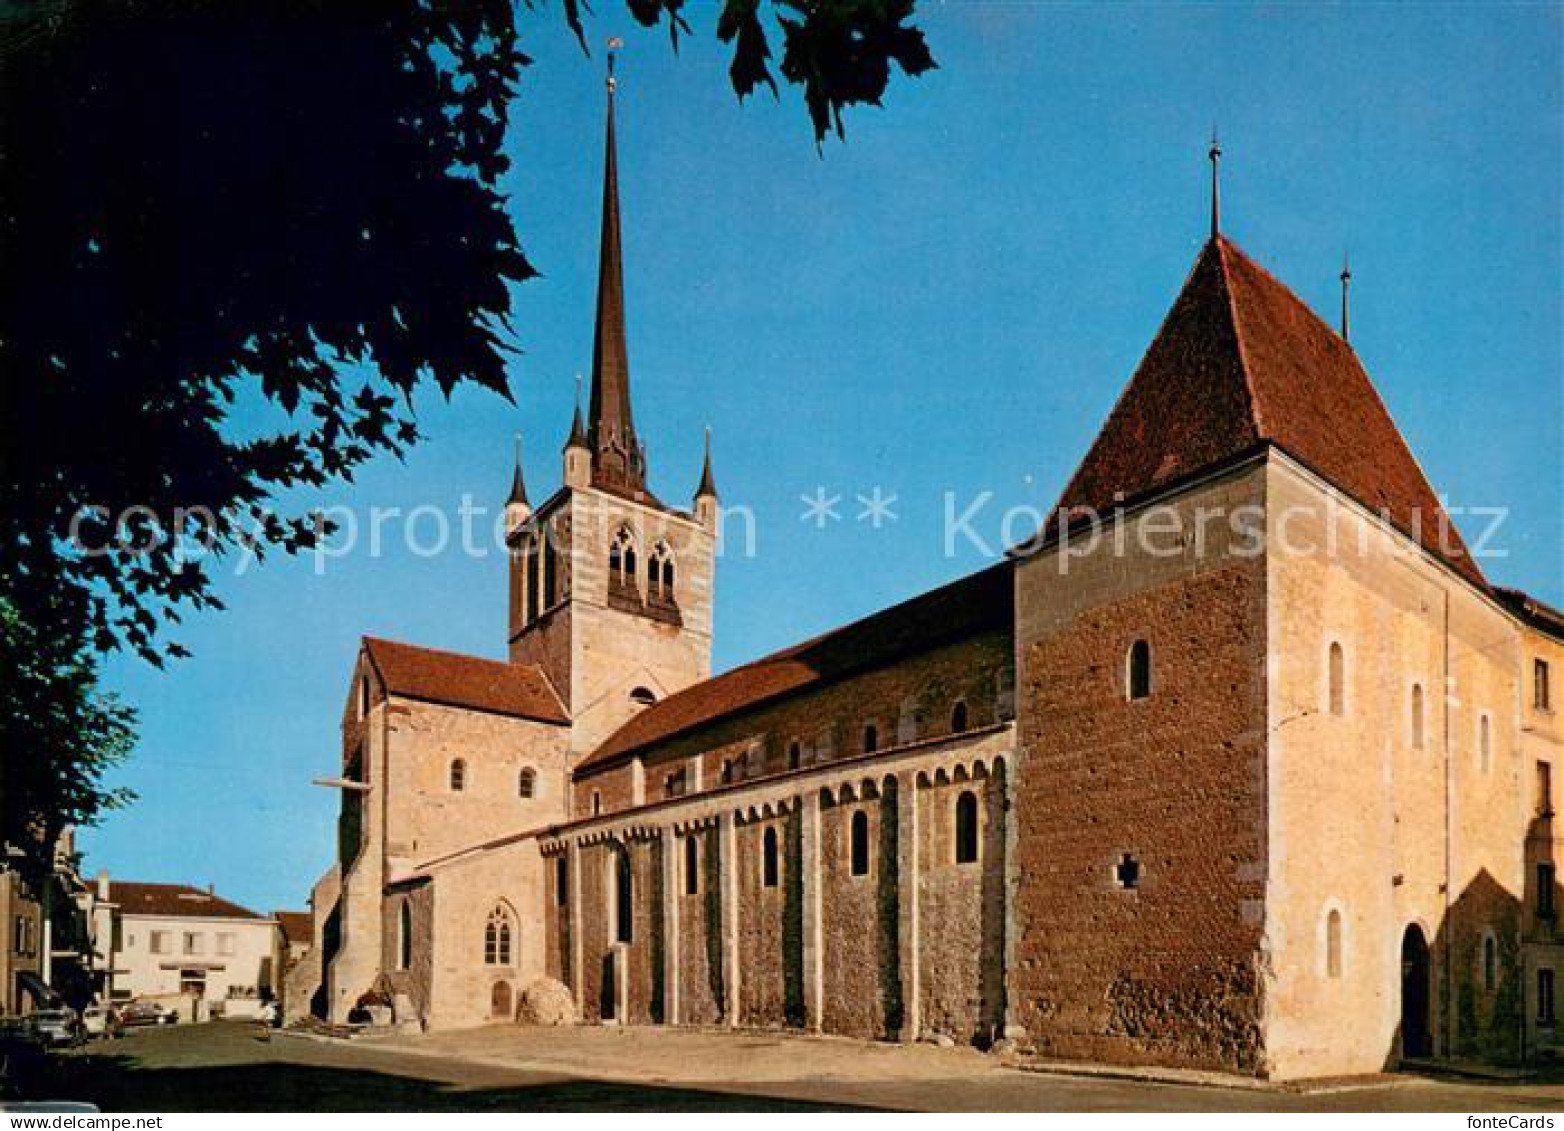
(659, 575)
(497, 938)
(622, 566)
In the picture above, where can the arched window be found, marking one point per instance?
(643, 696)
(769, 864)
(622, 563)
(967, 828)
(871, 738)
(795, 755)
(458, 775)
(860, 843)
(1490, 963)
(499, 1001)
(624, 898)
(1138, 676)
(1417, 716)
(1485, 742)
(597, 802)
(659, 574)
(1337, 680)
(692, 865)
(404, 935)
(1333, 944)
(526, 783)
(496, 938)
(550, 569)
(958, 717)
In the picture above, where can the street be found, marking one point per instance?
(236, 1066)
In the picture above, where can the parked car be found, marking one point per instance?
(56, 1027)
(143, 1012)
(101, 1021)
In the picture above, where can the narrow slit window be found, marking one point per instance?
(1417, 716)
(1333, 944)
(692, 865)
(958, 717)
(1337, 680)
(770, 866)
(871, 738)
(860, 843)
(526, 783)
(967, 828)
(1139, 674)
(458, 775)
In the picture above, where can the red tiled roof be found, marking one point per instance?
(1240, 362)
(979, 603)
(1535, 612)
(456, 680)
(297, 926)
(174, 899)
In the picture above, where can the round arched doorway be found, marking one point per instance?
(500, 1001)
(1417, 1038)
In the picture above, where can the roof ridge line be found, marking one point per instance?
(1222, 245)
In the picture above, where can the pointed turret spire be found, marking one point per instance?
(578, 436)
(1346, 286)
(617, 461)
(1216, 184)
(708, 486)
(518, 489)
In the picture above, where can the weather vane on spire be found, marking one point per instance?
(614, 44)
(1216, 183)
(1346, 284)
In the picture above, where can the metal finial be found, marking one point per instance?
(1346, 285)
(1216, 183)
(614, 45)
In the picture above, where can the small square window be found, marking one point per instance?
(1126, 873)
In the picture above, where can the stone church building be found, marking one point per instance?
(1242, 763)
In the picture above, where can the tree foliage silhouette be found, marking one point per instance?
(291, 204)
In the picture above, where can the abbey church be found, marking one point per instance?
(1267, 793)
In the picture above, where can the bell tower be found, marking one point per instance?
(611, 589)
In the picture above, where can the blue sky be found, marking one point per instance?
(949, 302)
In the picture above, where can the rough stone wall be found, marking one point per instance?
(1167, 972)
(1364, 820)
(908, 701)
(963, 911)
(1541, 741)
(701, 993)
(771, 993)
(862, 971)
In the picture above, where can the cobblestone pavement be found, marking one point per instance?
(240, 1067)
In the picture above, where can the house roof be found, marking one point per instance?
(1240, 362)
(457, 680)
(978, 603)
(180, 900)
(1537, 613)
(297, 926)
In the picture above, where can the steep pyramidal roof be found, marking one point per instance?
(1241, 362)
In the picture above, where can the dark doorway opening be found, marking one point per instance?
(1416, 1034)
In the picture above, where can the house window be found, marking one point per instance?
(1138, 676)
(967, 828)
(597, 802)
(404, 949)
(1541, 696)
(1337, 680)
(192, 942)
(458, 775)
(1545, 882)
(769, 865)
(1490, 963)
(692, 866)
(225, 944)
(871, 738)
(1333, 944)
(795, 755)
(624, 898)
(159, 944)
(958, 717)
(19, 936)
(673, 785)
(860, 844)
(496, 938)
(1544, 789)
(726, 776)
(1485, 743)
(363, 696)
(526, 783)
(1126, 873)
(1417, 716)
(643, 696)
(561, 881)
(1545, 1015)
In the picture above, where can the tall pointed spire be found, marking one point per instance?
(707, 485)
(1216, 184)
(577, 437)
(518, 489)
(1346, 286)
(616, 453)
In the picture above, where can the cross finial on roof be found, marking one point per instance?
(1346, 285)
(1215, 154)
